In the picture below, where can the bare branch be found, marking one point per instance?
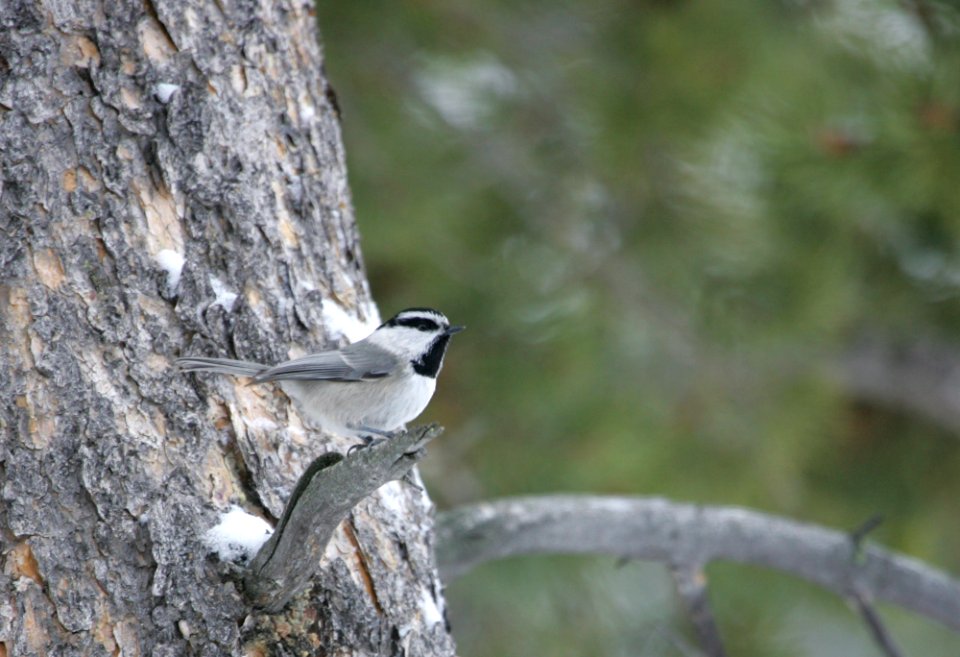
(922, 377)
(661, 530)
(858, 535)
(329, 488)
(878, 630)
(875, 624)
(926, 16)
(691, 583)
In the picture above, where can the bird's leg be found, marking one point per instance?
(368, 438)
(379, 432)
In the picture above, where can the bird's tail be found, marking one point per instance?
(220, 366)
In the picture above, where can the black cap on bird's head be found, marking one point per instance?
(423, 319)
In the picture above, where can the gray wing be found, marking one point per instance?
(360, 361)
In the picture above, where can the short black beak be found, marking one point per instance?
(454, 329)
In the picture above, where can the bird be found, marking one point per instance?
(369, 388)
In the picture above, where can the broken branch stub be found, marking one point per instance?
(326, 492)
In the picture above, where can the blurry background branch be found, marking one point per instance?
(691, 583)
(878, 630)
(920, 377)
(687, 534)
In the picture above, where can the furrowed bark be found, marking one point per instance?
(134, 134)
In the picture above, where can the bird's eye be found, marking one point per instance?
(419, 323)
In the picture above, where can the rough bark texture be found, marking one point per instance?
(113, 465)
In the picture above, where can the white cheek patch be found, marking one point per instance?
(407, 342)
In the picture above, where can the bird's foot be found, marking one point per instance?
(370, 436)
(366, 441)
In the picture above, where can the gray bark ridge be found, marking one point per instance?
(133, 136)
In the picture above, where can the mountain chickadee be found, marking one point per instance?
(373, 386)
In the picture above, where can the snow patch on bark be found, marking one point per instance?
(340, 323)
(225, 297)
(164, 91)
(392, 498)
(429, 608)
(172, 263)
(238, 536)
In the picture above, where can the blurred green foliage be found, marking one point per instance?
(663, 221)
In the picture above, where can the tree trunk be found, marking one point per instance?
(136, 136)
